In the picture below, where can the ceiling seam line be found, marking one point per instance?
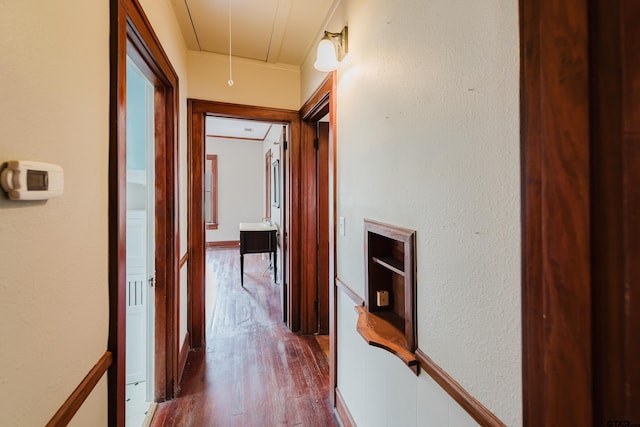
(273, 25)
(195, 33)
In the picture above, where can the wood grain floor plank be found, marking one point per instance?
(254, 371)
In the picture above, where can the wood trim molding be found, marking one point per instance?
(342, 411)
(182, 359)
(475, 409)
(223, 244)
(183, 260)
(470, 404)
(117, 213)
(316, 107)
(70, 406)
(349, 292)
(556, 228)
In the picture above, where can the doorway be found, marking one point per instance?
(198, 113)
(132, 39)
(317, 216)
(243, 184)
(141, 250)
(296, 216)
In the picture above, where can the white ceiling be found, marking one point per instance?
(273, 31)
(220, 127)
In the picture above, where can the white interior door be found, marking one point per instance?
(151, 245)
(140, 230)
(136, 295)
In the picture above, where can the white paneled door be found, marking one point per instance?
(140, 230)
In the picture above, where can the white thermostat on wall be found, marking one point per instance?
(27, 180)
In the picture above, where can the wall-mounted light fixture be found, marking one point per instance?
(331, 49)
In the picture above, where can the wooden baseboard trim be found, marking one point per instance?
(344, 416)
(80, 394)
(184, 260)
(182, 358)
(150, 413)
(475, 409)
(349, 292)
(224, 244)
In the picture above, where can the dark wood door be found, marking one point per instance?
(314, 298)
(322, 176)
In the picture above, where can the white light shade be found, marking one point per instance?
(326, 59)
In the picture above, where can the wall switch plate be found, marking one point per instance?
(382, 298)
(341, 225)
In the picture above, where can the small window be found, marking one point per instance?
(211, 192)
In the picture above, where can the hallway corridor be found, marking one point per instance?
(254, 372)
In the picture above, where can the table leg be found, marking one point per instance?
(275, 266)
(242, 270)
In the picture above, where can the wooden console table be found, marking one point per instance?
(255, 238)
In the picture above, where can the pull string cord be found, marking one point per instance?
(230, 81)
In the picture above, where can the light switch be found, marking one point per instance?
(341, 225)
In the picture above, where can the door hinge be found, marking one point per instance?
(152, 281)
(316, 141)
(284, 144)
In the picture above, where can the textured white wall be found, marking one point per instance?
(53, 258)
(429, 95)
(240, 185)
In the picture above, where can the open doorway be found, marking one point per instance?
(299, 219)
(316, 229)
(317, 217)
(243, 186)
(141, 250)
(132, 40)
(199, 113)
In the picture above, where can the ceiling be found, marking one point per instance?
(220, 127)
(273, 31)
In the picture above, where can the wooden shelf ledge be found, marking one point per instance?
(390, 263)
(378, 332)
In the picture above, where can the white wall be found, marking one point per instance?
(53, 258)
(241, 185)
(429, 94)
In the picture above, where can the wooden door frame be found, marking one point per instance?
(580, 234)
(322, 101)
(197, 111)
(556, 287)
(322, 225)
(131, 33)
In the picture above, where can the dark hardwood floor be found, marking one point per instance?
(254, 372)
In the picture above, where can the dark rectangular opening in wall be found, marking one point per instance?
(390, 277)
